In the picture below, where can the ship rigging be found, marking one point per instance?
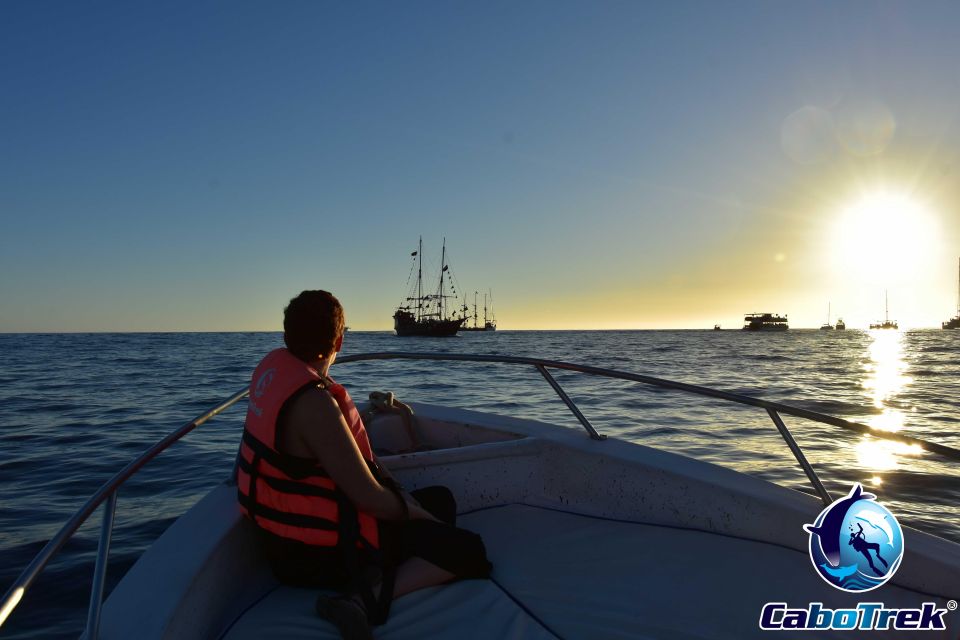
(425, 314)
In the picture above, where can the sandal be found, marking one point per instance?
(347, 615)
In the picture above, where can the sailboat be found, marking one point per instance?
(489, 324)
(887, 322)
(828, 326)
(424, 315)
(954, 322)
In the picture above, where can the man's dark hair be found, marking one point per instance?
(312, 324)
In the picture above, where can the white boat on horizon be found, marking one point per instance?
(590, 537)
(954, 322)
(827, 326)
(887, 322)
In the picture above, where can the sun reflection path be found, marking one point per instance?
(886, 379)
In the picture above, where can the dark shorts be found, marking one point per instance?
(443, 544)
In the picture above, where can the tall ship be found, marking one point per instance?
(489, 323)
(954, 322)
(887, 322)
(425, 314)
(765, 322)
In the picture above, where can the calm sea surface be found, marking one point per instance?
(74, 408)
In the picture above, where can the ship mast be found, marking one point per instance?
(958, 288)
(419, 279)
(443, 267)
(886, 305)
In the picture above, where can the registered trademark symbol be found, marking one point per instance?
(952, 605)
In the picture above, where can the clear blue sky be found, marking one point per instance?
(193, 165)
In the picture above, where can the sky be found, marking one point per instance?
(191, 166)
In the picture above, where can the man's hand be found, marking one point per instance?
(419, 513)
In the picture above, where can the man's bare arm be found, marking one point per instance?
(314, 419)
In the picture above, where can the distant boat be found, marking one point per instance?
(424, 315)
(489, 324)
(828, 326)
(716, 327)
(765, 322)
(887, 322)
(841, 325)
(954, 323)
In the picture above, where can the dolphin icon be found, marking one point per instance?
(829, 530)
(839, 572)
(877, 521)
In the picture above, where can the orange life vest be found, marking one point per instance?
(287, 495)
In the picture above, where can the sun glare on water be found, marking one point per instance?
(885, 238)
(886, 379)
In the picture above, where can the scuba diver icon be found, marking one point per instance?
(859, 542)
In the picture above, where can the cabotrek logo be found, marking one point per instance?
(259, 389)
(856, 545)
(265, 379)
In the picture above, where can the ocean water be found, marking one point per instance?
(74, 408)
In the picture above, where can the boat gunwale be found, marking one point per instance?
(107, 491)
(944, 450)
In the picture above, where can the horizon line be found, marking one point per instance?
(280, 331)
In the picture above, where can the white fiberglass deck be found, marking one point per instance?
(553, 577)
(590, 538)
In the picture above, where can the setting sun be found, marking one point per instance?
(885, 238)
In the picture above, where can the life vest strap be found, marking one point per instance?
(378, 608)
(283, 517)
(287, 486)
(285, 463)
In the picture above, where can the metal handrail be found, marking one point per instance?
(944, 450)
(108, 492)
(773, 408)
(15, 593)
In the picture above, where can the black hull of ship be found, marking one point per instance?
(427, 328)
(952, 323)
(481, 329)
(765, 322)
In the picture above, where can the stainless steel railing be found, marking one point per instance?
(109, 491)
(772, 408)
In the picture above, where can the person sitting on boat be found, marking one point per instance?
(328, 515)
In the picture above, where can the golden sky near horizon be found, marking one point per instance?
(735, 159)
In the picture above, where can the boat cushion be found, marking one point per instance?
(467, 609)
(559, 574)
(587, 577)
